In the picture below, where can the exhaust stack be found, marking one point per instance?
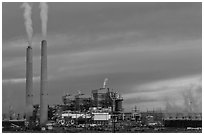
(43, 84)
(29, 82)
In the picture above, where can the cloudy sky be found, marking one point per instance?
(150, 52)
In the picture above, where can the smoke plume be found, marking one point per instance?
(191, 97)
(44, 17)
(105, 82)
(28, 20)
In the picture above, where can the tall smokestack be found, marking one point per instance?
(29, 82)
(43, 84)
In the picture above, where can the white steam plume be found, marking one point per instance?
(105, 82)
(28, 20)
(44, 17)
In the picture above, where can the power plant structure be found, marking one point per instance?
(99, 99)
(43, 84)
(103, 107)
(29, 82)
(105, 98)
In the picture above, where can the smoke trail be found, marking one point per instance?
(28, 21)
(44, 17)
(192, 100)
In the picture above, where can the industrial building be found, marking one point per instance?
(105, 98)
(183, 120)
(102, 104)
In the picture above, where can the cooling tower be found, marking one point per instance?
(43, 84)
(29, 82)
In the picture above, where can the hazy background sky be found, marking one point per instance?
(150, 52)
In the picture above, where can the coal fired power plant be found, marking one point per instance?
(70, 70)
(29, 81)
(43, 84)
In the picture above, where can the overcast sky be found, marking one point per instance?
(150, 52)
